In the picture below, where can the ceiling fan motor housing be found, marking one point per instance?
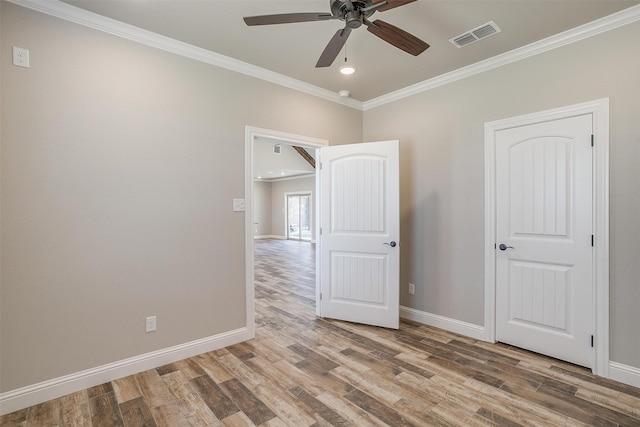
(353, 17)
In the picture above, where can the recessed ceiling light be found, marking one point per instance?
(344, 93)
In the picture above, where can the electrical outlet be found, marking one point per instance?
(151, 324)
(20, 57)
(412, 289)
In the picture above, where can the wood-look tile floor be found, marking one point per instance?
(305, 371)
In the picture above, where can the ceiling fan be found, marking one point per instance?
(354, 13)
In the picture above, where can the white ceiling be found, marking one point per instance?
(269, 166)
(293, 49)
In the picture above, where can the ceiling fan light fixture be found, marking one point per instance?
(347, 69)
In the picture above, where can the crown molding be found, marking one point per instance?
(92, 20)
(111, 26)
(599, 26)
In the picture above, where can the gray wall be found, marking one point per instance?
(119, 166)
(262, 208)
(120, 162)
(442, 176)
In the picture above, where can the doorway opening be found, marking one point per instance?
(298, 207)
(253, 135)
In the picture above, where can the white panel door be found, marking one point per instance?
(544, 283)
(359, 221)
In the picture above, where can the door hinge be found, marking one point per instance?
(321, 300)
(321, 231)
(592, 240)
(593, 141)
(591, 340)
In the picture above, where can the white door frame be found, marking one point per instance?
(600, 111)
(251, 135)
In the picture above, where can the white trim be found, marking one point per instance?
(92, 20)
(600, 111)
(252, 134)
(624, 373)
(318, 235)
(24, 397)
(249, 278)
(288, 178)
(111, 26)
(446, 323)
(489, 234)
(607, 23)
(270, 236)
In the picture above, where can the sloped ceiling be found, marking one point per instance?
(271, 166)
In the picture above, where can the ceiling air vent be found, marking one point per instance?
(476, 34)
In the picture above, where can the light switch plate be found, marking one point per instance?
(150, 324)
(238, 205)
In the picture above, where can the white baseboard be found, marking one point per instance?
(624, 373)
(272, 236)
(448, 324)
(37, 393)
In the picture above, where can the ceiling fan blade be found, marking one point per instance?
(392, 4)
(286, 18)
(397, 37)
(333, 48)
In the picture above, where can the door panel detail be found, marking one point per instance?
(358, 278)
(540, 198)
(538, 295)
(358, 189)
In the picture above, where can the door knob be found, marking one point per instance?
(504, 247)
(392, 244)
